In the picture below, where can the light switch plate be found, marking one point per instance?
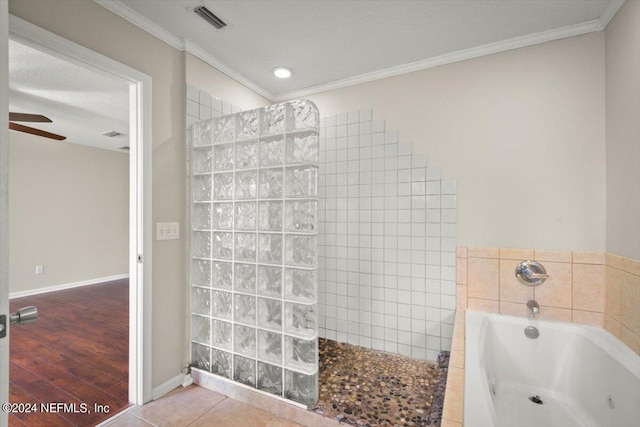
(167, 230)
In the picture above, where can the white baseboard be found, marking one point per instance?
(167, 386)
(67, 286)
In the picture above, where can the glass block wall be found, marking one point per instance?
(253, 249)
(387, 254)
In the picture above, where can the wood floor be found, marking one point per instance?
(77, 352)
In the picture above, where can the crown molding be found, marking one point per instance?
(120, 9)
(210, 59)
(609, 12)
(181, 44)
(449, 58)
(138, 20)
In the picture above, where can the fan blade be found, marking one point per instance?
(34, 131)
(24, 117)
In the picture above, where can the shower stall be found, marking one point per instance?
(254, 232)
(308, 230)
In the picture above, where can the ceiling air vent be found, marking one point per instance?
(209, 16)
(112, 133)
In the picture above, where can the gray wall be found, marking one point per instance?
(623, 131)
(68, 211)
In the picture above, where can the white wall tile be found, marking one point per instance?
(193, 93)
(389, 277)
(193, 108)
(204, 99)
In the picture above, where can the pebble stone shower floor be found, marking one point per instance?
(364, 387)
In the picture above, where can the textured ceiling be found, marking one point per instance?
(331, 40)
(82, 103)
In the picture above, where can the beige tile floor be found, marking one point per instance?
(198, 406)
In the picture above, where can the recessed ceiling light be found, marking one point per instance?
(282, 72)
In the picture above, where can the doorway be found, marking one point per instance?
(139, 240)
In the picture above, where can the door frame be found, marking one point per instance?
(140, 225)
(4, 200)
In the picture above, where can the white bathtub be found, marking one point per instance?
(583, 375)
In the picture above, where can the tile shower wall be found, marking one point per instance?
(592, 288)
(622, 317)
(254, 248)
(574, 291)
(201, 105)
(387, 241)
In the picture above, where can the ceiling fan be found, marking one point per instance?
(32, 118)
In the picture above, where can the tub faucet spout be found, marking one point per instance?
(533, 307)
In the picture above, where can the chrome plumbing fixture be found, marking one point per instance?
(531, 332)
(531, 273)
(533, 307)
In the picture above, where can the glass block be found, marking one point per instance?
(202, 133)
(270, 314)
(221, 305)
(300, 319)
(221, 363)
(223, 157)
(300, 387)
(300, 354)
(200, 301)
(245, 247)
(223, 129)
(302, 114)
(200, 272)
(270, 346)
(222, 275)
(302, 148)
(223, 186)
(247, 154)
(247, 124)
(300, 285)
(301, 181)
(222, 245)
(246, 184)
(244, 340)
(201, 244)
(201, 214)
(301, 215)
(245, 278)
(221, 334)
(201, 160)
(270, 248)
(270, 281)
(244, 309)
(246, 213)
(201, 188)
(244, 370)
(272, 119)
(270, 216)
(272, 151)
(201, 329)
(270, 183)
(222, 216)
(300, 250)
(270, 378)
(200, 357)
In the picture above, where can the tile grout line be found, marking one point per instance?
(209, 410)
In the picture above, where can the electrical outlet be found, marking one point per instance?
(167, 230)
(39, 269)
